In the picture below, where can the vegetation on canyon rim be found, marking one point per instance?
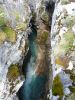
(13, 72)
(7, 33)
(57, 87)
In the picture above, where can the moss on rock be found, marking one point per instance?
(63, 61)
(6, 33)
(41, 9)
(17, 15)
(70, 21)
(42, 37)
(2, 21)
(2, 17)
(13, 72)
(71, 97)
(10, 34)
(69, 38)
(45, 17)
(72, 77)
(57, 87)
(2, 37)
(21, 26)
(64, 1)
(65, 44)
(72, 89)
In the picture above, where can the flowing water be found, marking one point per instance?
(34, 84)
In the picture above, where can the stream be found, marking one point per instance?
(36, 65)
(34, 84)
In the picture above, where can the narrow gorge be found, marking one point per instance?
(37, 70)
(37, 50)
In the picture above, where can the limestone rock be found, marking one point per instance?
(14, 20)
(62, 43)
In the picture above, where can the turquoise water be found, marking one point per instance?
(33, 85)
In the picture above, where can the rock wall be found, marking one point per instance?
(58, 47)
(63, 49)
(15, 16)
(14, 20)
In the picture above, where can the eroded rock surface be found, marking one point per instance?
(63, 48)
(14, 20)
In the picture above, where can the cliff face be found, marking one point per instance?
(14, 20)
(63, 49)
(55, 52)
(37, 83)
(15, 16)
